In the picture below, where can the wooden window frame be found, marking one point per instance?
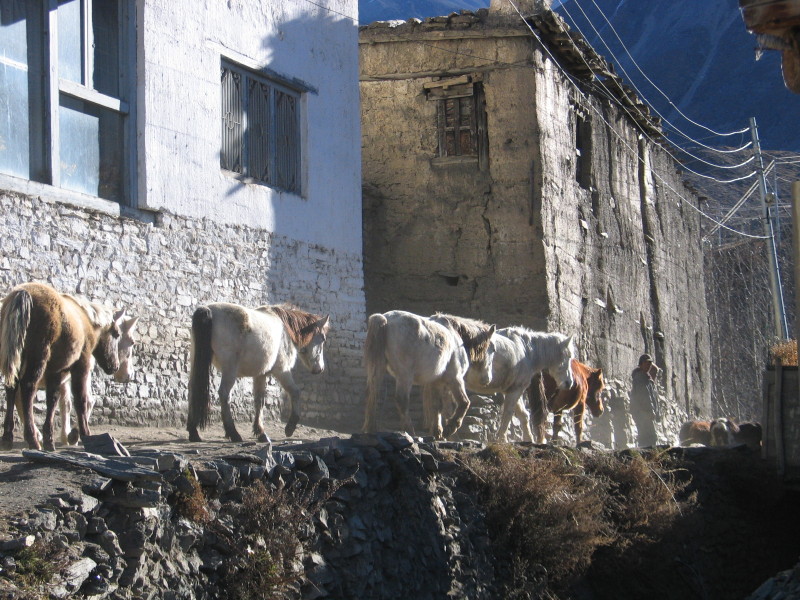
(45, 137)
(458, 91)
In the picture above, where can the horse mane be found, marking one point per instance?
(473, 333)
(531, 337)
(299, 324)
(99, 315)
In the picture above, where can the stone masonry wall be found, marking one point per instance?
(161, 272)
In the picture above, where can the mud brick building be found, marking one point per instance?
(509, 175)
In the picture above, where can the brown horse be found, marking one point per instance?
(585, 391)
(695, 432)
(48, 337)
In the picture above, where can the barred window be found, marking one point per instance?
(260, 128)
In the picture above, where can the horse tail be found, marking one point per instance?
(16, 317)
(200, 369)
(375, 362)
(537, 399)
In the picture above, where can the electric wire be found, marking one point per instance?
(638, 91)
(697, 158)
(582, 94)
(622, 140)
(717, 133)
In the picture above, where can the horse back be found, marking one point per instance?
(58, 325)
(695, 432)
(250, 340)
(420, 349)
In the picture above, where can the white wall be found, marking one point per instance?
(180, 45)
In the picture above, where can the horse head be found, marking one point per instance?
(594, 396)
(114, 348)
(562, 370)
(125, 351)
(311, 353)
(482, 355)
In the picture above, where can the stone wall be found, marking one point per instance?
(161, 268)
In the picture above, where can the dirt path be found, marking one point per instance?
(25, 484)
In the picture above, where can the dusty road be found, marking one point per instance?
(24, 484)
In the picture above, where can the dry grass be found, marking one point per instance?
(35, 567)
(193, 505)
(548, 513)
(267, 562)
(785, 352)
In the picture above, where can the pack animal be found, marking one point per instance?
(53, 339)
(519, 353)
(727, 432)
(695, 432)
(422, 351)
(584, 392)
(258, 343)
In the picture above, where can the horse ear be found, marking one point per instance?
(492, 330)
(118, 316)
(128, 325)
(323, 323)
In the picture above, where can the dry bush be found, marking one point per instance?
(266, 562)
(193, 505)
(640, 493)
(548, 513)
(785, 352)
(35, 567)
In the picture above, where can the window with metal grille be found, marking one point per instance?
(460, 120)
(260, 128)
(66, 70)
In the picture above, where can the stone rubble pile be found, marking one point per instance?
(394, 526)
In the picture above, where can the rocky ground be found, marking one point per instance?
(396, 523)
(24, 484)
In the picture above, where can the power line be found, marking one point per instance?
(569, 78)
(714, 165)
(672, 104)
(619, 136)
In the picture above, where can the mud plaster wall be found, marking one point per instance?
(450, 238)
(618, 263)
(162, 272)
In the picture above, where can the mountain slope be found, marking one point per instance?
(698, 53)
(702, 57)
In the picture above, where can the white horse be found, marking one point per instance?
(421, 351)
(519, 353)
(257, 343)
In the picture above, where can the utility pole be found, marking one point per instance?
(778, 309)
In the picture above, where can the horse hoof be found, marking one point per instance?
(194, 436)
(6, 444)
(291, 425)
(73, 437)
(49, 447)
(234, 436)
(264, 438)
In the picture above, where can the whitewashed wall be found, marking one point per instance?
(197, 235)
(180, 113)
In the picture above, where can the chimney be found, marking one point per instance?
(503, 10)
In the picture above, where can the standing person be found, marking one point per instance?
(644, 401)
